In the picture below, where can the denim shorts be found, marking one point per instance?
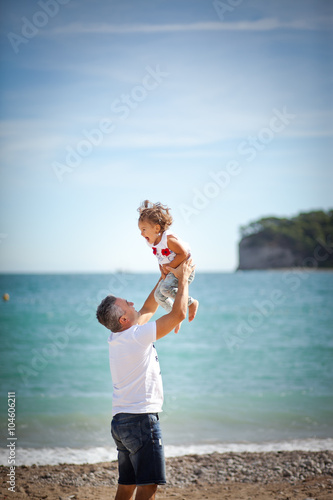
(140, 448)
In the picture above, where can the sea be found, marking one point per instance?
(252, 372)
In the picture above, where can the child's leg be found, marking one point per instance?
(169, 286)
(162, 299)
(192, 309)
(193, 304)
(191, 300)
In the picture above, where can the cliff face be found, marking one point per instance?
(267, 256)
(305, 240)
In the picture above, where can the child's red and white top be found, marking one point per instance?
(162, 251)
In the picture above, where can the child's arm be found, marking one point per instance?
(179, 250)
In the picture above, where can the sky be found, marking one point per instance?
(221, 110)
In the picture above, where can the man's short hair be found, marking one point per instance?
(108, 313)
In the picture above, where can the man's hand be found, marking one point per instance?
(183, 270)
(164, 272)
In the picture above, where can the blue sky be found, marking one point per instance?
(221, 110)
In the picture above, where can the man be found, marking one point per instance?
(137, 385)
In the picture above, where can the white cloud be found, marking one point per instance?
(267, 24)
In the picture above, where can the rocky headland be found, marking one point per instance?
(304, 241)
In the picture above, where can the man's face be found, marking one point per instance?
(130, 314)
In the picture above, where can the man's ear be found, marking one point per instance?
(123, 320)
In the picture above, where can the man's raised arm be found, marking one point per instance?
(149, 307)
(169, 321)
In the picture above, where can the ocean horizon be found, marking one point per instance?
(252, 372)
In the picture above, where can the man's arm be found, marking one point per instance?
(169, 321)
(149, 307)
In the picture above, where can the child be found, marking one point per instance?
(154, 223)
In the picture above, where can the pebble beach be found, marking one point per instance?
(293, 475)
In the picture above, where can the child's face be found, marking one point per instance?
(150, 231)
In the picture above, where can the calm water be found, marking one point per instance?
(254, 369)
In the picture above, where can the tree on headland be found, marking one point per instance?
(302, 235)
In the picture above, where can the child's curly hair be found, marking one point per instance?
(155, 213)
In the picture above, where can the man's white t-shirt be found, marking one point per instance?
(135, 370)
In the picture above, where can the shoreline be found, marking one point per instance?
(60, 455)
(232, 475)
(288, 269)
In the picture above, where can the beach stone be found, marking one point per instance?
(261, 468)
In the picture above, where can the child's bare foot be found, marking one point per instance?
(178, 327)
(192, 310)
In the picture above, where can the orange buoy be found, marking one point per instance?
(5, 296)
